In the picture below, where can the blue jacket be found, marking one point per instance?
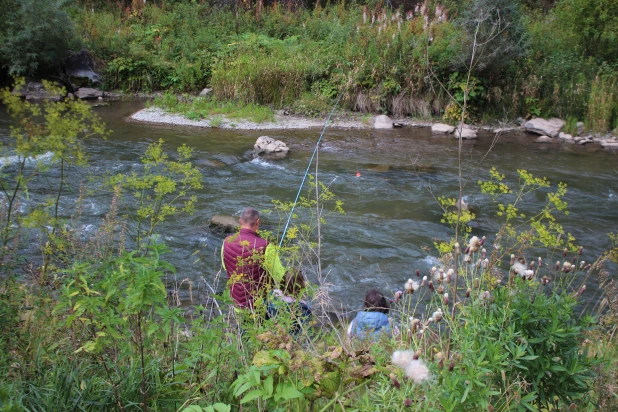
(369, 325)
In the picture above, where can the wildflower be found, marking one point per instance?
(398, 296)
(545, 280)
(512, 259)
(540, 261)
(418, 273)
(566, 267)
(483, 253)
(445, 299)
(582, 290)
(402, 358)
(485, 296)
(424, 281)
(457, 248)
(557, 265)
(407, 403)
(574, 259)
(478, 263)
(467, 250)
(441, 363)
(485, 262)
(451, 366)
(449, 278)
(437, 315)
(440, 290)
(564, 252)
(430, 285)
(474, 244)
(477, 283)
(394, 381)
(417, 354)
(468, 291)
(411, 286)
(588, 266)
(467, 259)
(531, 265)
(482, 240)
(417, 371)
(581, 264)
(433, 270)
(414, 323)
(519, 268)
(528, 274)
(581, 250)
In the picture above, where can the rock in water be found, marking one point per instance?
(268, 146)
(86, 93)
(36, 91)
(383, 122)
(467, 132)
(544, 139)
(441, 128)
(224, 223)
(544, 127)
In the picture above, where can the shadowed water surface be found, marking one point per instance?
(392, 218)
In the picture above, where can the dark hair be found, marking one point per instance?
(293, 282)
(249, 216)
(376, 302)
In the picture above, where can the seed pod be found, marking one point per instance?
(540, 261)
(445, 298)
(564, 252)
(418, 273)
(467, 250)
(430, 285)
(407, 403)
(394, 381)
(451, 366)
(424, 281)
(531, 265)
(582, 290)
(588, 266)
(581, 250)
(574, 259)
(468, 292)
(417, 355)
(557, 265)
(440, 290)
(512, 260)
(441, 364)
(482, 240)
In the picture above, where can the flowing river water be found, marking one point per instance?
(392, 217)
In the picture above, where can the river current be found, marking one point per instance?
(391, 216)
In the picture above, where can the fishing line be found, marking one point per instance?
(302, 183)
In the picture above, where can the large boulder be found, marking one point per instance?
(86, 93)
(81, 68)
(441, 128)
(544, 127)
(36, 91)
(268, 146)
(224, 223)
(467, 132)
(383, 122)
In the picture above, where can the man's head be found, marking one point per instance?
(250, 219)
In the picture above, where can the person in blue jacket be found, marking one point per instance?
(373, 321)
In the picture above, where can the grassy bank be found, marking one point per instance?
(537, 61)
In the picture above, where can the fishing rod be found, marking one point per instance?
(302, 183)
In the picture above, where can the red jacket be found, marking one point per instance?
(243, 255)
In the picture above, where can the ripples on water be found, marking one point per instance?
(391, 218)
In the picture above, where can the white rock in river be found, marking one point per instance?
(544, 127)
(467, 132)
(441, 128)
(86, 93)
(544, 139)
(383, 122)
(269, 146)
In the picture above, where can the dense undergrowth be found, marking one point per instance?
(96, 323)
(534, 58)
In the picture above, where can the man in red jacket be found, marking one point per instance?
(243, 259)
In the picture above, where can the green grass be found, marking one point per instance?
(212, 109)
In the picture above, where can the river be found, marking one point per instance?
(391, 219)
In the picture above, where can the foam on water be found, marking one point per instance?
(263, 163)
(43, 158)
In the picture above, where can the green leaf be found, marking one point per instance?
(291, 392)
(254, 394)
